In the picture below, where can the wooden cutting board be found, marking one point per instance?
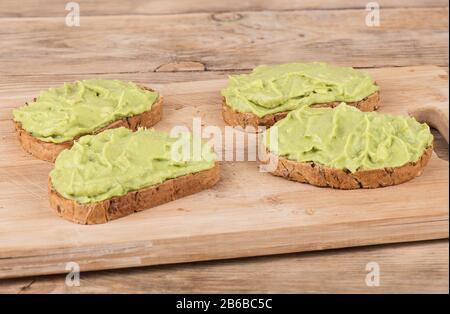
(247, 213)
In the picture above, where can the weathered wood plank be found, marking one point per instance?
(117, 44)
(27, 8)
(20, 85)
(407, 268)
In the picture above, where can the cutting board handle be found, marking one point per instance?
(436, 115)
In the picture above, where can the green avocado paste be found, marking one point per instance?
(117, 161)
(270, 89)
(63, 113)
(347, 138)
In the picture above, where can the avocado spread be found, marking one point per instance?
(117, 161)
(347, 138)
(270, 89)
(63, 113)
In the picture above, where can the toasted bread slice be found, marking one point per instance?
(120, 206)
(244, 119)
(323, 176)
(49, 151)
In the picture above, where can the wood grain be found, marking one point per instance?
(420, 267)
(138, 43)
(239, 217)
(440, 145)
(407, 268)
(33, 8)
(419, 36)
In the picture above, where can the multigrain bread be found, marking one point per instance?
(323, 176)
(117, 172)
(120, 206)
(248, 119)
(345, 148)
(265, 95)
(48, 151)
(61, 115)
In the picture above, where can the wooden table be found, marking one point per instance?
(165, 41)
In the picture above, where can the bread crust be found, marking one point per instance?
(120, 206)
(49, 151)
(245, 119)
(323, 176)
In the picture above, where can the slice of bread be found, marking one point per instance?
(323, 176)
(120, 206)
(244, 119)
(48, 151)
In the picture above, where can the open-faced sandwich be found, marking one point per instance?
(118, 172)
(346, 148)
(60, 115)
(269, 93)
